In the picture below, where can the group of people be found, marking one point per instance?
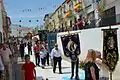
(41, 53)
(8, 54)
(22, 48)
(93, 66)
(79, 24)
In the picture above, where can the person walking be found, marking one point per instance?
(29, 48)
(37, 53)
(56, 56)
(22, 47)
(72, 48)
(6, 56)
(28, 69)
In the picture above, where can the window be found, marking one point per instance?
(70, 5)
(109, 17)
(64, 8)
(58, 13)
(79, 1)
(61, 11)
(70, 23)
(75, 20)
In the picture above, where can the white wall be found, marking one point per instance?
(15, 32)
(109, 4)
(117, 4)
(93, 39)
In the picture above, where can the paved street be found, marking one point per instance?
(17, 72)
(47, 72)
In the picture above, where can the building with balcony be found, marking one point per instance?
(99, 13)
(47, 21)
(111, 14)
(68, 12)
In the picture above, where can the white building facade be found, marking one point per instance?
(19, 31)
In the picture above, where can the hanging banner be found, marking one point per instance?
(71, 46)
(52, 39)
(100, 6)
(110, 48)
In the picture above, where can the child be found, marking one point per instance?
(29, 72)
(43, 57)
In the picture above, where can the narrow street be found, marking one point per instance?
(87, 31)
(47, 72)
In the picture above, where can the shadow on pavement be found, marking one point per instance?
(65, 67)
(56, 67)
(41, 78)
(48, 68)
(63, 72)
(66, 72)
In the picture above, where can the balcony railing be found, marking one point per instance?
(78, 6)
(105, 21)
(95, 23)
(69, 13)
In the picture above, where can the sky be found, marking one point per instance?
(33, 10)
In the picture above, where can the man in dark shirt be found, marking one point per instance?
(30, 48)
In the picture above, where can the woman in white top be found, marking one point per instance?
(103, 73)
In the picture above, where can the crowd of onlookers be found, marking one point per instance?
(80, 24)
(40, 52)
(93, 66)
(9, 53)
